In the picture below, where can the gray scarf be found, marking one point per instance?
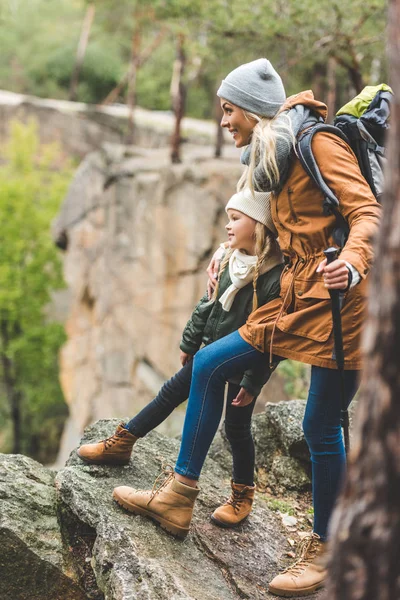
(300, 117)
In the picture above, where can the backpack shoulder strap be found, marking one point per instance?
(309, 164)
(307, 159)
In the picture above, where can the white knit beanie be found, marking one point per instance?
(256, 205)
(254, 86)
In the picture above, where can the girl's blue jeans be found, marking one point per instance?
(222, 360)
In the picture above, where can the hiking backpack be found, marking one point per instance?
(362, 123)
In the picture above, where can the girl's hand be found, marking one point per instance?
(243, 398)
(185, 358)
(212, 271)
(336, 274)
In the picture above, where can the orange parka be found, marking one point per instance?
(298, 324)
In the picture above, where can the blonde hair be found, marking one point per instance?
(264, 242)
(266, 133)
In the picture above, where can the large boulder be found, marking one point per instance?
(34, 563)
(134, 558)
(66, 539)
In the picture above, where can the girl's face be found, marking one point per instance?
(241, 229)
(238, 125)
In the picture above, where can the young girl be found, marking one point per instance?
(248, 277)
(298, 324)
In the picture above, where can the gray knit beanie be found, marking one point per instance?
(254, 86)
(256, 205)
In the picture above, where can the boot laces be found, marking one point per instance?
(307, 552)
(113, 439)
(168, 474)
(236, 498)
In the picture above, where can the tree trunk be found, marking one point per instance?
(318, 80)
(178, 96)
(81, 51)
(113, 95)
(219, 137)
(331, 83)
(365, 562)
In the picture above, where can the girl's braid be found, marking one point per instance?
(224, 263)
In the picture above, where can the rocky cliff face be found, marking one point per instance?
(138, 234)
(64, 538)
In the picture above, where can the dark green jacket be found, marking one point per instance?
(210, 322)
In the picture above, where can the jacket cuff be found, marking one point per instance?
(250, 386)
(356, 261)
(188, 348)
(354, 276)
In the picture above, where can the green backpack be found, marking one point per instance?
(362, 123)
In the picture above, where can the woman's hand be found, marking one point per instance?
(185, 358)
(336, 274)
(212, 271)
(243, 398)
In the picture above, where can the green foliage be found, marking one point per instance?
(31, 187)
(101, 71)
(39, 38)
(280, 506)
(296, 376)
(154, 80)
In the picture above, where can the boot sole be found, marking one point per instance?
(93, 461)
(175, 530)
(227, 525)
(295, 593)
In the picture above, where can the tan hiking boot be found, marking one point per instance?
(236, 508)
(115, 450)
(307, 574)
(171, 504)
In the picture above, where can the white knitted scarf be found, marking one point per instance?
(241, 268)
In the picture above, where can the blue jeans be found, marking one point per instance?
(174, 392)
(222, 360)
(323, 433)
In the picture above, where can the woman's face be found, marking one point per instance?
(238, 125)
(241, 230)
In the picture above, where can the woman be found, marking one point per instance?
(298, 324)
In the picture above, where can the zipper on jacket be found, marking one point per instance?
(291, 208)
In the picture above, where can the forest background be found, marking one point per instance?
(129, 52)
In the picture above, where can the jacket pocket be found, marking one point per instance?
(306, 289)
(310, 314)
(293, 216)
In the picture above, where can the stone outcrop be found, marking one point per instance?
(138, 234)
(34, 563)
(100, 552)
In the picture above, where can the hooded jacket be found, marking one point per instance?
(298, 325)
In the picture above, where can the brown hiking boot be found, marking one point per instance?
(236, 508)
(307, 574)
(115, 450)
(171, 504)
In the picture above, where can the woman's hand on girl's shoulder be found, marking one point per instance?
(243, 398)
(336, 274)
(212, 270)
